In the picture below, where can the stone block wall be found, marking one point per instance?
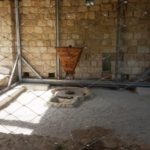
(93, 28)
(38, 35)
(6, 34)
(135, 38)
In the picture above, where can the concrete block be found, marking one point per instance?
(143, 49)
(11, 95)
(5, 70)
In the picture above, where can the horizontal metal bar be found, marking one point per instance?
(89, 83)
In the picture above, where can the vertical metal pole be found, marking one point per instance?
(57, 38)
(118, 32)
(18, 45)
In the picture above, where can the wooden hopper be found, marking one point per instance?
(69, 57)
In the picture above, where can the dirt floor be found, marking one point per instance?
(90, 139)
(110, 120)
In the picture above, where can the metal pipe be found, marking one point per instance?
(18, 43)
(33, 70)
(88, 83)
(13, 71)
(57, 38)
(118, 35)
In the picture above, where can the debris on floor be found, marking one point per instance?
(94, 138)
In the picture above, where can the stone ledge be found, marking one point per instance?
(11, 95)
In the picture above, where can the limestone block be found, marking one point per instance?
(8, 97)
(143, 49)
(105, 1)
(146, 57)
(71, 16)
(75, 36)
(32, 43)
(52, 50)
(128, 36)
(95, 8)
(129, 13)
(133, 1)
(133, 42)
(132, 63)
(34, 10)
(136, 70)
(5, 50)
(143, 42)
(38, 30)
(66, 3)
(26, 3)
(106, 7)
(127, 70)
(39, 43)
(70, 42)
(37, 62)
(28, 29)
(132, 49)
(3, 80)
(70, 23)
(42, 49)
(52, 36)
(29, 22)
(45, 57)
(137, 35)
(82, 8)
(51, 23)
(53, 63)
(94, 63)
(7, 43)
(113, 1)
(5, 70)
(25, 10)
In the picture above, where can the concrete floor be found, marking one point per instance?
(127, 113)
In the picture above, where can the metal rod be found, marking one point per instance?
(57, 38)
(13, 71)
(88, 83)
(118, 32)
(18, 43)
(33, 70)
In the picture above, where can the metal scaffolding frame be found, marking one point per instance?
(91, 83)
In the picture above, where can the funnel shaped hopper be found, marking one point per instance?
(69, 57)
